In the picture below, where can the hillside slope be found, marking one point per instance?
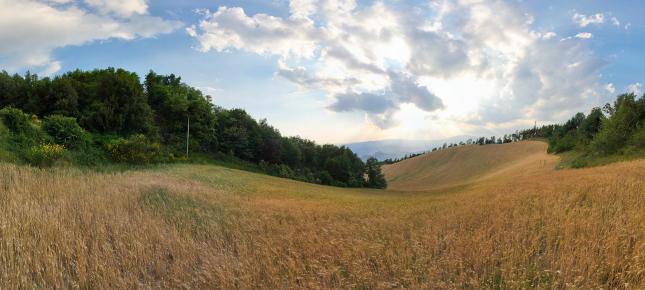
(463, 165)
(520, 225)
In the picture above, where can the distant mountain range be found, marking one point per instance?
(396, 148)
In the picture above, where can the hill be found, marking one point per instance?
(514, 222)
(467, 164)
(397, 148)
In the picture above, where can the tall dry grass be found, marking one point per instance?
(210, 227)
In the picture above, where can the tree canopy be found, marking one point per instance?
(123, 115)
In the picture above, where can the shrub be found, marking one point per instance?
(65, 131)
(90, 156)
(284, 171)
(608, 141)
(45, 155)
(135, 150)
(559, 145)
(638, 139)
(23, 129)
(280, 170)
(325, 178)
(579, 162)
(17, 121)
(3, 130)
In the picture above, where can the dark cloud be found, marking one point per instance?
(368, 102)
(434, 53)
(409, 91)
(352, 53)
(381, 105)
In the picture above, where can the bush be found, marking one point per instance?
(89, 156)
(45, 155)
(638, 139)
(325, 178)
(135, 150)
(607, 142)
(65, 131)
(579, 162)
(279, 170)
(559, 145)
(17, 121)
(4, 131)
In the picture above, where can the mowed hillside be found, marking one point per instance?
(469, 164)
(479, 217)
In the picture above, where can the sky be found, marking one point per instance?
(340, 71)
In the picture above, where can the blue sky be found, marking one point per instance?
(340, 70)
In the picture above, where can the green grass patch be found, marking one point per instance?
(579, 159)
(197, 217)
(6, 154)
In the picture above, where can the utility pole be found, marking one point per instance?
(187, 136)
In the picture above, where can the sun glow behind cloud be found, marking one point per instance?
(454, 63)
(369, 69)
(466, 94)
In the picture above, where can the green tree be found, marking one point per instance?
(291, 154)
(173, 103)
(375, 178)
(618, 128)
(590, 126)
(111, 101)
(238, 134)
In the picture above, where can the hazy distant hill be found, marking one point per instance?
(395, 148)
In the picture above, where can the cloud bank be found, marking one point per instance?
(376, 58)
(30, 30)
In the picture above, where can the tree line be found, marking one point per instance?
(615, 128)
(507, 138)
(109, 114)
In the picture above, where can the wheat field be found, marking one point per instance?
(512, 223)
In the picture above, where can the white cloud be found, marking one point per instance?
(610, 88)
(473, 61)
(535, 89)
(353, 51)
(30, 30)
(615, 21)
(263, 34)
(584, 35)
(636, 88)
(123, 8)
(549, 35)
(52, 68)
(584, 20)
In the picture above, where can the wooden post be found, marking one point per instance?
(187, 136)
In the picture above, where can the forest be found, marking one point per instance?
(108, 115)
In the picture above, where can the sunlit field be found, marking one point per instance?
(513, 222)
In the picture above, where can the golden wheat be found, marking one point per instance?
(189, 226)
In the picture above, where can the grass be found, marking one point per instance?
(524, 225)
(577, 159)
(462, 165)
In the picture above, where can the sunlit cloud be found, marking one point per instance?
(32, 29)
